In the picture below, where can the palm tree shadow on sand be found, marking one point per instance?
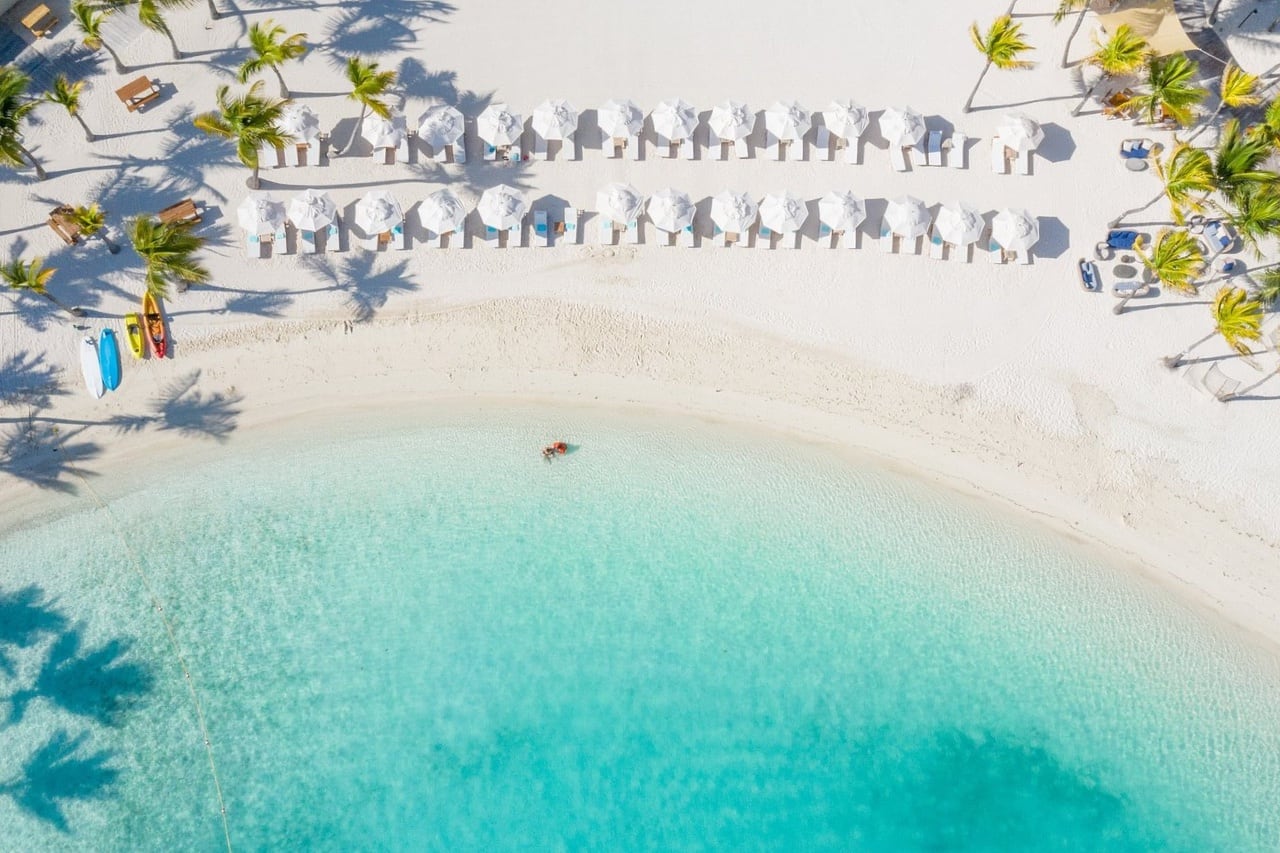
(367, 291)
(183, 408)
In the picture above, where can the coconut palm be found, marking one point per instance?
(1187, 178)
(1002, 44)
(1257, 215)
(1125, 52)
(33, 277)
(89, 20)
(92, 221)
(250, 120)
(1237, 317)
(15, 106)
(1171, 92)
(151, 16)
(67, 95)
(1237, 162)
(271, 48)
(1236, 88)
(368, 87)
(1065, 8)
(1268, 130)
(168, 251)
(1267, 292)
(1175, 259)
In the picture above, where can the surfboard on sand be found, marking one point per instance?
(109, 359)
(90, 366)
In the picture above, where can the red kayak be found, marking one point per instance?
(154, 322)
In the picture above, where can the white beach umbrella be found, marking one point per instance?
(620, 203)
(783, 212)
(733, 212)
(674, 120)
(502, 207)
(731, 120)
(377, 212)
(300, 122)
(845, 119)
(555, 119)
(787, 121)
(841, 211)
(442, 211)
(312, 210)
(384, 132)
(620, 119)
(1019, 132)
(260, 214)
(441, 125)
(670, 209)
(907, 216)
(1015, 229)
(959, 223)
(498, 125)
(902, 127)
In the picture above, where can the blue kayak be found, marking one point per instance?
(109, 358)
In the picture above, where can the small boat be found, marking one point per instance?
(155, 326)
(555, 448)
(1089, 275)
(109, 359)
(133, 328)
(91, 367)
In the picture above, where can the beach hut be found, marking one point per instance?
(785, 124)
(674, 122)
(840, 213)
(844, 122)
(730, 124)
(733, 214)
(906, 217)
(389, 137)
(303, 125)
(500, 130)
(443, 213)
(381, 218)
(502, 208)
(620, 125)
(553, 120)
(1016, 232)
(783, 214)
(672, 211)
(958, 224)
(442, 129)
(620, 206)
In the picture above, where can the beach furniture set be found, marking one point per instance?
(40, 21)
(137, 93)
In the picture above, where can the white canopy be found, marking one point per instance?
(377, 212)
(298, 120)
(441, 125)
(787, 121)
(733, 212)
(620, 119)
(841, 211)
(312, 210)
(620, 203)
(555, 119)
(907, 216)
(845, 119)
(1015, 229)
(384, 132)
(959, 223)
(1019, 132)
(674, 120)
(670, 209)
(498, 125)
(502, 207)
(260, 214)
(731, 120)
(783, 212)
(442, 211)
(902, 127)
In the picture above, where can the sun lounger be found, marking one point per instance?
(634, 144)
(440, 154)
(1087, 275)
(1024, 257)
(491, 236)
(433, 237)
(662, 143)
(772, 147)
(956, 156)
(686, 236)
(790, 240)
(888, 240)
(935, 148)
(570, 226)
(999, 159)
(490, 153)
(935, 246)
(915, 245)
(606, 232)
(688, 150)
(633, 232)
(541, 235)
(40, 21)
(919, 156)
(137, 93)
(399, 236)
(181, 213)
(764, 238)
(333, 239)
(722, 148)
(459, 151)
(1137, 149)
(995, 253)
(540, 149)
(742, 148)
(1024, 163)
(569, 147)
(371, 243)
(402, 150)
(281, 243)
(826, 238)
(253, 246)
(822, 139)
(848, 239)
(962, 253)
(515, 236)
(307, 242)
(1218, 237)
(898, 158)
(852, 151)
(1122, 239)
(268, 157)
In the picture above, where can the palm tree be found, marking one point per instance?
(250, 120)
(1257, 215)
(1171, 92)
(1237, 162)
(1175, 260)
(271, 49)
(1236, 89)
(1269, 129)
(33, 277)
(15, 106)
(1123, 53)
(1236, 316)
(92, 220)
(1066, 7)
(67, 95)
(1267, 292)
(89, 20)
(1187, 179)
(168, 250)
(368, 86)
(1002, 44)
(150, 15)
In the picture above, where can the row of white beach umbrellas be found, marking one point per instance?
(960, 223)
(314, 210)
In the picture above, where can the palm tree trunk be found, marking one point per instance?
(1244, 392)
(74, 312)
(968, 105)
(1071, 37)
(88, 134)
(1213, 13)
(112, 247)
(1115, 222)
(1088, 95)
(1174, 362)
(1120, 306)
(173, 43)
(354, 132)
(121, 68)
(40, 172)
(253, 179)
(214, 14)
(284, 90)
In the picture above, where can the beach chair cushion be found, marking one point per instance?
(1122, 239)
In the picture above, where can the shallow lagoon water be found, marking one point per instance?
(680, 636)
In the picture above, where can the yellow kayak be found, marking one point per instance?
(133, 326)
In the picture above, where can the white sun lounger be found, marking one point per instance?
(292, 157)
(458, 238)
(915, 244)
(633, 232)
(515, 236)
(333, 239)
(606, 232)
(634, 144)
(540, 150)
(253, 246)
(433, 237)
(721, 146)
(515, 154)
(822, 139)
(1024, 257)
(569, 146)
(370, 243)
(280, 246)
(459, 151)
(1024, 163)
(849, 239)
(898, 158)
(664, 144)
(764, 238)
(918, 155)
(826, 238)
(999, 160)
(935, 148)
(268, 157)
(688, 150)
(612, 145)
(742, 148)
(887, 239)
(399, 236)
(491, 236)
(402, 150)
(995, 253)
(955, 157)
(935, 247)
(541, 234)
(570, 226)
(852, 155)
(686, 236)
(307, 242)
(440, 154)
(790, 240)
(772, 148)
(961, 252)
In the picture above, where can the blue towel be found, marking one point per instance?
(1122, 239)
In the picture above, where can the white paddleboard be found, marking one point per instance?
(91, 367)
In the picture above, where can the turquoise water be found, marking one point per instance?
(681, 636)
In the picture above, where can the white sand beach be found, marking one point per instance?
(1010, 381)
